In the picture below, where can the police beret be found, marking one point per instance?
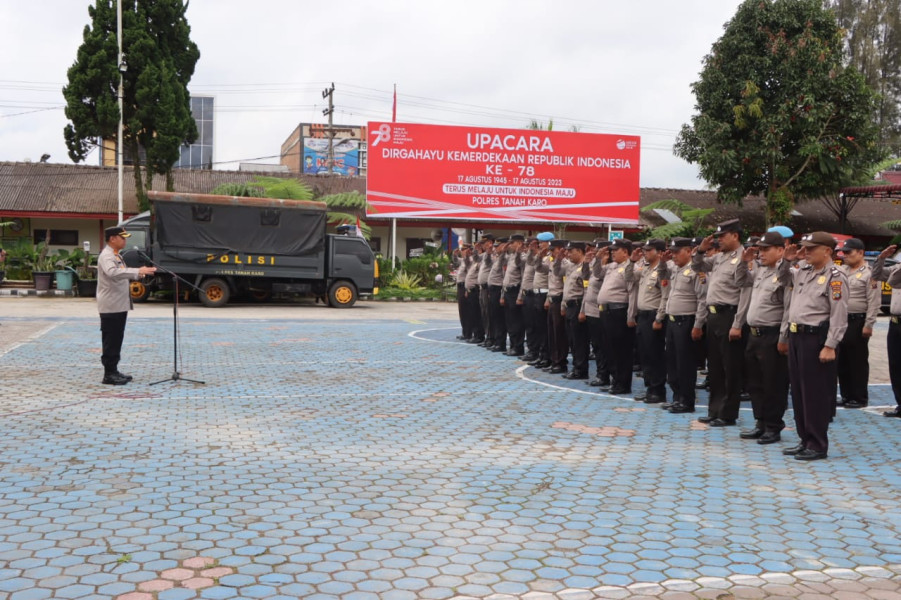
(114, 231)
(517, 237)
(576, 246)
(621, 245)
(681, 242)
(771, 238)
(501, 240)
(603, 243)
(558, 243)
(733, 225)
(786, 232)
(487, 237)
(853, 244)
(656, 244)
(818, 238)
(545, 236)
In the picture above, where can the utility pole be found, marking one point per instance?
(329, 93)
(120, 65)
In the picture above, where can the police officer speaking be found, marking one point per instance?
(114, 301)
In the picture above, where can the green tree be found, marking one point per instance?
(690, 225)
(777, 111)
(160, 58)
(873, 47)
(343, 208)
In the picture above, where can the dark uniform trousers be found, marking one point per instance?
(618, 344)
(485, 311)
(112, 332)
(893, 347)
(496, 316)
(767, 378)
(465, 323)
(724, 364)
(514, 319)
(854, 360)
(474, 314)
(538, 343)
(681, 359)
(596, 334)
(577, 332)
(528, 320)
(813, 387)
(652, 352)
(558, 342)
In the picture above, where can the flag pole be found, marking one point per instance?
(394, 221)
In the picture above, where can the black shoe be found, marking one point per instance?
(705, 419)
(498, 349)
(652, 399)
(592, 356)
(678, 409)
(530, 357)
(752, 434)
(542, 364)
(855, 404)
(722, 422)
(808, 454)
(770, 437)
(617, 390)
(745, 397)
(605, 388)
(641, 395)
(574, 375)
(702, 385)
(512, 352)
(636, 368)
(558, 369)
(461, 337)
(127, 377)
(595, 382)
(794, 449)
(702, 370)
(478, 341)
(114, 379)
(895, 412)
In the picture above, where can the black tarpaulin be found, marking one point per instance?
(249, 225)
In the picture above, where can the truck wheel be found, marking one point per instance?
(215, 293)
(138, 291)
(342, 294)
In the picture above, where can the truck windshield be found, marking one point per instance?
(353, 247)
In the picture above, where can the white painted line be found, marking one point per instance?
(31, 338)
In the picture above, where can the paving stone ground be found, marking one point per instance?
(379, 458)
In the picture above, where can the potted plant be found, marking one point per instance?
(43, 267)
(86, 273)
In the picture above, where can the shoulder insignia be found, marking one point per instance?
(664, 282)
(836, 289)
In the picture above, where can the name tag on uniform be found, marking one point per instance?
(712, 309)
(793, 328)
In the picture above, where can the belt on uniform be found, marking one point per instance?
(511, 288)
(614, 306)
(714, 308)
(645, 313)
(681, 318)
(540, 290)
(558, 298)
(495, 287)
(483, 286)
(799, 328)
(571, 303)
(852, 316)
(529, 292)
(761, 331)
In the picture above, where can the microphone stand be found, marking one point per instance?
(176, 376)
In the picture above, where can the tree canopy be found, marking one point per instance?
(160, 59)
(778, 113)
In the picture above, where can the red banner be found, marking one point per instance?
(474, 173)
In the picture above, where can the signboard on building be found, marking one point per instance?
(348, 146)
(472, 173)
(615, 235)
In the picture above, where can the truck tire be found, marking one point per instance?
(215, 292)
(342, 294)
(138, 290)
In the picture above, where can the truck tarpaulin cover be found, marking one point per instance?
(473, 173)
(258, 225)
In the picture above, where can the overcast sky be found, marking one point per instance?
(606, 67)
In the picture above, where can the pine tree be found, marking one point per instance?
(160, 59)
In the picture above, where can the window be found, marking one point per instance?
(58, 237)
(354, 247)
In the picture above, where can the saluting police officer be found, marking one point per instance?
(725, 352)
(512, 283)
(495, 293)
(461, 262)
(617, 275)
(864, 301)
(575, 277)
(818, 318)
(527, 298)
(541, 261)
(558, 342)
(648, 311)
(591, 310)
(485, 258)
(892, 276)
(685, 293)
(766, 353)
(471, 298)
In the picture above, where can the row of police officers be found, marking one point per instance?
(771, 317)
